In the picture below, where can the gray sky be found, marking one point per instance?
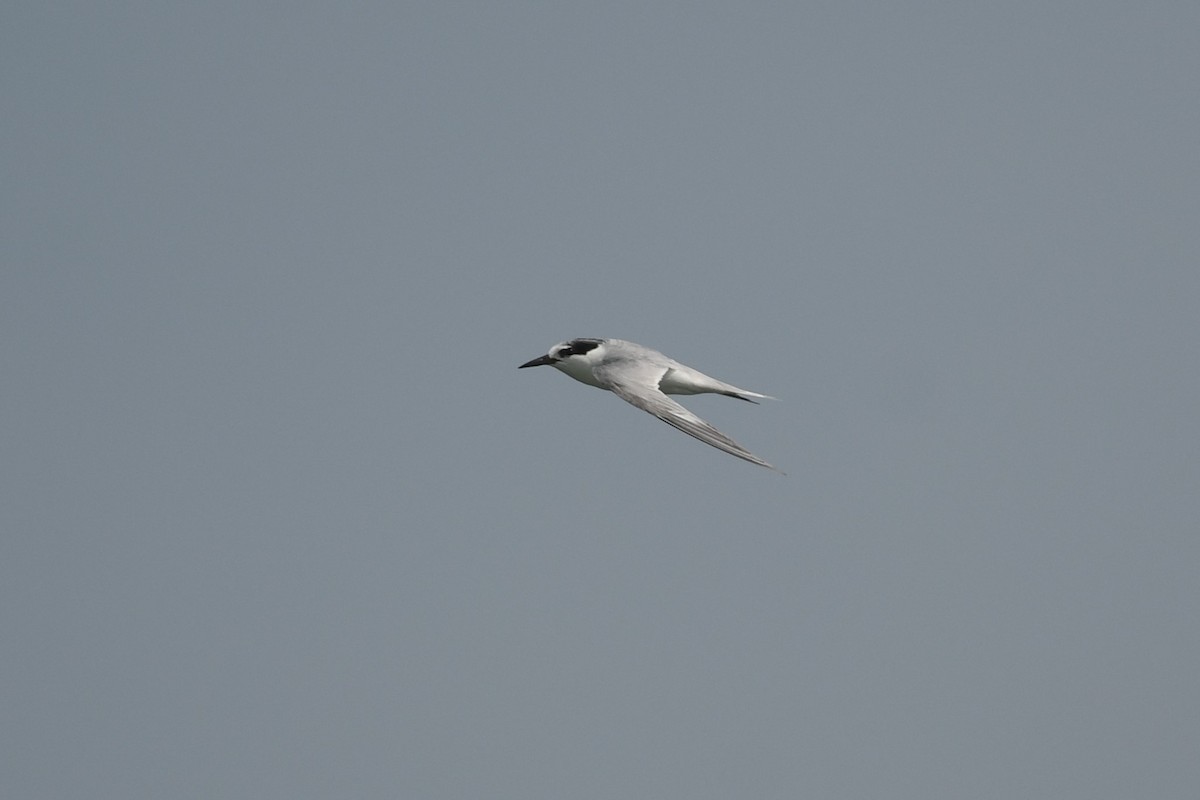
(281, 518)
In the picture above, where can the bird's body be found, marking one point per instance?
(644, 377)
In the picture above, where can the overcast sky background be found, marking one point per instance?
(281, 518)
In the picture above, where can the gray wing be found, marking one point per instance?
(639, 387)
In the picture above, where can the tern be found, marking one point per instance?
(644, 377)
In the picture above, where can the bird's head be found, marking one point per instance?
(574, 357)
(579, 349)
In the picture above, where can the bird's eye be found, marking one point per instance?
(578, 347)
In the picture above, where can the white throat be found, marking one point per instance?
(579, 368)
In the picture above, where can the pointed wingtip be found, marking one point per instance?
(750, 397)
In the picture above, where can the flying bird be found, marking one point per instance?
(644, 377)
